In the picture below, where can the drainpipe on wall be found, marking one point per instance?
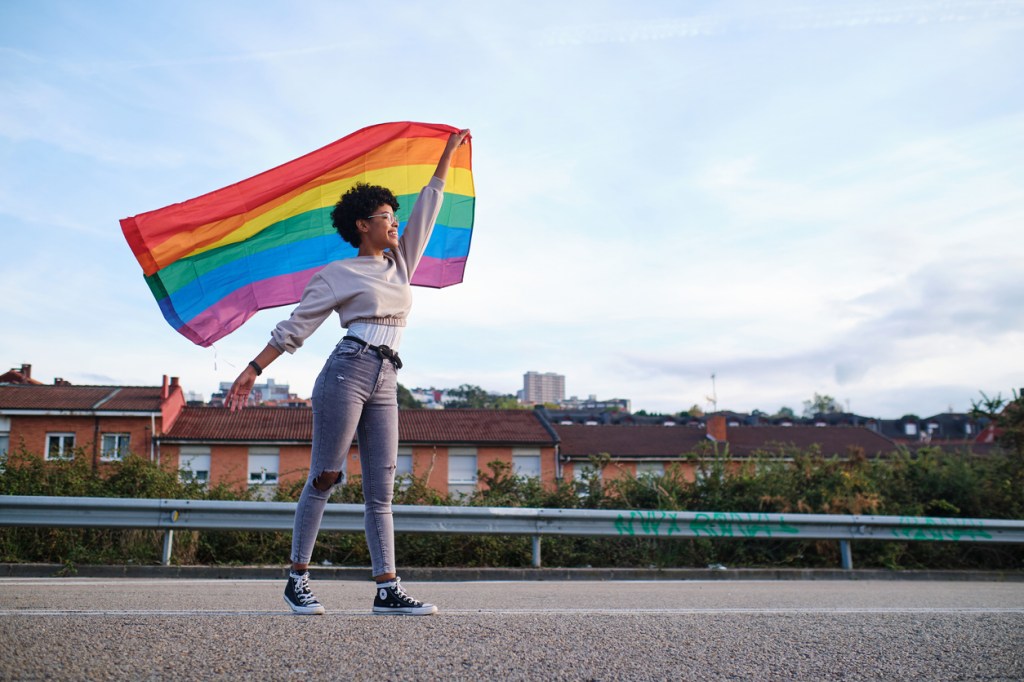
(542, 418)
(152, 435)
(95, 443)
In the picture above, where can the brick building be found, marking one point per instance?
(650, 449)
(104, 422)
(266, 445)
(263, 446)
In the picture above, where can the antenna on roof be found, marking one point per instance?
(713, 398)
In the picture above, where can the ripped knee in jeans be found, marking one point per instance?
(327, 480)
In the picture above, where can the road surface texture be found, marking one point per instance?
(144, 629)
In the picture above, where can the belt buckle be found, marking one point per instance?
(391, 355)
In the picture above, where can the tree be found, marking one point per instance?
(405, 399)
(508, 402)
(695, 411)
(469, 396)
(1006, 415)
(821, 404)
(466, 395)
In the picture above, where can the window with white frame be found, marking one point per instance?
(5, 435)
(114, 446)
(60, 445)
(708, 471)
(403, 472)
(526, 462)
(263, 466)
(404, 462)
(583, 473)
(194, 464)
(650, 469)
(462, 470)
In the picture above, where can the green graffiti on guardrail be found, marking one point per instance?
(917, 528)
(712, 525)
(740, 524)
(650, 523)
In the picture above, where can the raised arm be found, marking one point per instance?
(424, 212)
(455, 140)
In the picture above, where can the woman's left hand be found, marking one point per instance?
(238, 395)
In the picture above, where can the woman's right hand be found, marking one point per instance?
(238, 395)
(455, 140)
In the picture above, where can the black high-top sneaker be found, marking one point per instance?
(299, 596)
(392, 600)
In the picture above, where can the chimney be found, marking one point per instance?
(26, 370)
(174, 382)
(163, 390)
(716, 428)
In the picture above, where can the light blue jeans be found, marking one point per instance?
(355, 394)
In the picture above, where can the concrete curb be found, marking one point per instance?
(427, 574)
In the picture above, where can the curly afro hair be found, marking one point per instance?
(359, 202)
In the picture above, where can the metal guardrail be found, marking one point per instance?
(171, 515)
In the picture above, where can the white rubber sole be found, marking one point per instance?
(305, 610)
(427, 610)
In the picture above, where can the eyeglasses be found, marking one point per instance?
(391, 217)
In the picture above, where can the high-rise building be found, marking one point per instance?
(543, 388)
(269, 392)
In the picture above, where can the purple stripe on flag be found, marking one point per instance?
(439, 272)
(231, 312)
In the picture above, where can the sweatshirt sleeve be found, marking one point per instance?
(421, 223)
(317, 303)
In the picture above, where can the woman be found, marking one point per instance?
(356, 392)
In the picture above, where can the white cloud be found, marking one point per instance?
(798, 197)
(747, 17)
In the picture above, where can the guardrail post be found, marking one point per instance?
(536, 551)
(168, 546)
(847, 554)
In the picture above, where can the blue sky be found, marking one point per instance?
(798, 197)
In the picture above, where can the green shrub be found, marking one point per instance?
(925, 482)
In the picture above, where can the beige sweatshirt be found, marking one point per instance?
(365, 288)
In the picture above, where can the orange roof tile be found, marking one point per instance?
(80, 398)
(251, 424)
(833, 440)
(672, 441)
(628, 441)
(520, 427)
(295, 424)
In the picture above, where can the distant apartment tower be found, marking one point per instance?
(543, 388)
(269, 392)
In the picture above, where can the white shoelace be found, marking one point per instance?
(302, 591)
(401, 594)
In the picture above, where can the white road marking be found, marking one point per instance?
(838, 611)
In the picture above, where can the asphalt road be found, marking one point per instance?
(141, 629)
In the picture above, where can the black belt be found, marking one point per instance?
(383, 351)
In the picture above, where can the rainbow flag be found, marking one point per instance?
(213, 261)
